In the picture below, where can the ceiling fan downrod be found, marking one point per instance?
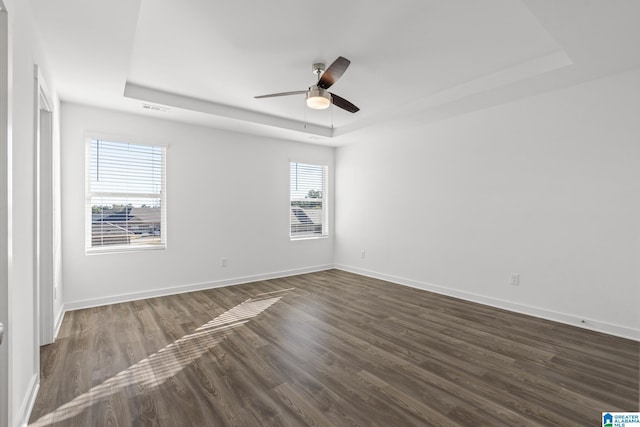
(318, 68)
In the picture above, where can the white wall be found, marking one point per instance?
(547, 187)
(227, 196)
(25, 52)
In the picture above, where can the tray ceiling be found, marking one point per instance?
(203, 61)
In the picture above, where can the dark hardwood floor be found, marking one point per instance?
(328, 349)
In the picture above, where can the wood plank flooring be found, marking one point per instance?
(328, 349)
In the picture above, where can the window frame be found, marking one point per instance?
(162, 195)
(324, 199)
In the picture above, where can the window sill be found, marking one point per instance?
(293, 239)
(124, 249)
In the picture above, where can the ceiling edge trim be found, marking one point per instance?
(487, 83)
(147, 94)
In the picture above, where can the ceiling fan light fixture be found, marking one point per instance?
(318, 98)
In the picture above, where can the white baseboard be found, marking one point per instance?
(594, 325)
(29, 400)
(114, 299)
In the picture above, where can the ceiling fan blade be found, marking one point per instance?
(334, 72)
(339, 101)
(271, 95)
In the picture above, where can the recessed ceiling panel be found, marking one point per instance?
(228, 52)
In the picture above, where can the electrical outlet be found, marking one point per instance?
(223, 262)
(515, 279)
(363, 254)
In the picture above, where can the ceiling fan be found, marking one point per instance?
(318, 97)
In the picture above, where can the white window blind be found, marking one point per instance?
(126, 196)
(309, 210)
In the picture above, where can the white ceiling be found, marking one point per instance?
(412, 62)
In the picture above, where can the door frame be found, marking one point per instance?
(5, 215)
(43, 215)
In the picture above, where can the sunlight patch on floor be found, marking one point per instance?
(165, 363)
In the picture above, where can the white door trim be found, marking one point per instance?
(43, 215)
(5, 216)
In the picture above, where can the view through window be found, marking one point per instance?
(309, 213)
(126, 196)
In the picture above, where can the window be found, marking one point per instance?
(126, 196)
(309, 211)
